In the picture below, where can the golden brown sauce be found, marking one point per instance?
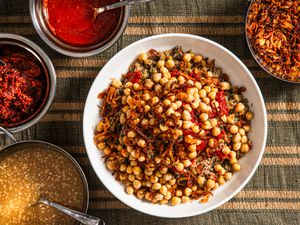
(27, 175)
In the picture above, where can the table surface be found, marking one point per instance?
(273, 194)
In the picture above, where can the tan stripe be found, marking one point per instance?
(186, 19)
(15, 19)
(269, 106)
(265, 161)
(283, 149)
(67, 106)
(284, 117)
(77, 74)
(184, 29)
(62, 117)
(280, 161)
(241, 195)
(100, 62)
(226, 206)
(268, 194)
(261, 205)
(288, 150)
(79, 62)
(69, 73)
(151, 30)
(278, 117)
(150, 19)
(283, 105)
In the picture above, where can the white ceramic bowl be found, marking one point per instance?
(239, 75)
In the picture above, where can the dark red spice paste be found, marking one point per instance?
(21, 85)
(73, 22)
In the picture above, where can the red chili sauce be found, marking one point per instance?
(73, 22)
(22, 83)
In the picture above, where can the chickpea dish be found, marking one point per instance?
(173, 128)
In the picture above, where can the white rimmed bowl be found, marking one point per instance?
(239, 75)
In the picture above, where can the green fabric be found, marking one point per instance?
(273, 194)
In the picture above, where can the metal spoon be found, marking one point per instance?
(116, 5)
(79, 216)
(2, 63)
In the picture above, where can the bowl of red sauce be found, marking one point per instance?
(69, 26)
(27, 82)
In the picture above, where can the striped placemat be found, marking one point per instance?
(273, 194)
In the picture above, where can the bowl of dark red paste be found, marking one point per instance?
(27, 82)
(69, 26)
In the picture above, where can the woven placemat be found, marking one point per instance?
(273, 194)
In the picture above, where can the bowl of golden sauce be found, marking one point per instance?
(30, 170)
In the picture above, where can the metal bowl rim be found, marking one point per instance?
(71, 53)
(31, 46)
(65, 153)
(253, 53)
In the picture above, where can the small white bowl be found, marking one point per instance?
(239, 75)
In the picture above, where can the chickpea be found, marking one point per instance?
(160, 63)
(233, 161)
(198, 85)
(212, 95)
(188, 191)
(218, 167)
(233, 129)
(216, 131)
(227, 176)
(242, 132)
(172, 181)
(147, 108)
(142, 143)
(249, 116)
(143, 56)
(206, 125)
(116, 83)
(188, 107)
(237, 138)
(178, 103)
(137, 184)
(193, 155)
(203, 117)
(156, 186)
(203, 107)
(221, 180)
(158, 197)
(186, 115)
(187, 163)
(197, 58)
(225, 85)
(164, 70)
(136, 86)
(210, 183)
(230, 119)
(170, 63)
(236, 146)
(155, 100)
(107, 150)
(129, 190)
(101, 145)
(239, 107)
(178, 193)
(187, 57)
(244, 139)
(179, 167)
(148, 84)
(137, 170)
(187, 124)
(185, 199)
(195, 104)
(168, 176)
(207, 89)
(236, 167)
(245, 148)
(176, 201)
(163, 81)
(140, 194)
(226, 150)
(202, 93)
(196, 129)
(224, 118)
(200, 180)
(246, 128)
